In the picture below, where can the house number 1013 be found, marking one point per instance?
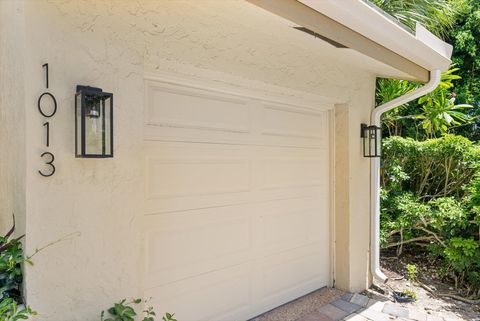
(47, 156)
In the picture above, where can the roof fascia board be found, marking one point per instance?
(423, 48)
(433, 41)
(305, 16)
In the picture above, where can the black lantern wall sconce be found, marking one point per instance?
(372, 139)
(93, 123)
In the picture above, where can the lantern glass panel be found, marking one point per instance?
(366, 142)
(94, 129)
(107, 107)
(78, 124)
(372, 141)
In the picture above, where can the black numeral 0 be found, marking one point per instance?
(48, 163)
(40, 105)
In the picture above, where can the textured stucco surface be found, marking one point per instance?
(112, 44)
(352, 196)
(12, 116)
(359, 193)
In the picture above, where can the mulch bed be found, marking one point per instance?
(395, 269)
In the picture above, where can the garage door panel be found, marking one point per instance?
(237, 202)
(224, 295)
(290, 173)
(221, 175)
(183, 176)
(283, 273)
(175, 108)
(289, 228)
(291, 274)
(319, 229)
(286, 224)
(196, 242)
(285, 124)
(179, 113)
(268, 195)
(290, 168)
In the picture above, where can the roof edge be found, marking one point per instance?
(422, 48)
(437, 44)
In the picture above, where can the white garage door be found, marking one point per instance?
(237, 217)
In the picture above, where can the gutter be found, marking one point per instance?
(419, 46)
(375, 119)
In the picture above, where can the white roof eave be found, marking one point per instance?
(423, 48)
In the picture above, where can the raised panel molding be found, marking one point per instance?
(292, 268)
(183, 177)
(291, 173)
(205, 290)
(204, 242)
(285, 227)
(281, 120)
(175, 106)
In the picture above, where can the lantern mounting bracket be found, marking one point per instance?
(363, 127)
(89, 89)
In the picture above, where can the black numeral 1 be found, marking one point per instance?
(47, 124)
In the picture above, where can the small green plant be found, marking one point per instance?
(412, 272)
(410, 293)
(125, 311)
(10, 311)
(11, 278)
(168, 317)
(121, 311)
(11, 258)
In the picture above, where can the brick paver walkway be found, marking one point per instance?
(357, 307)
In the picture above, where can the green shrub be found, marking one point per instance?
(462, 254)
(432, 168)
(431, 197)
(11, 278)
(11, 258)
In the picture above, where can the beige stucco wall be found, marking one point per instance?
(94, 206)
(359, 179)
(352, 194)
(12, 117)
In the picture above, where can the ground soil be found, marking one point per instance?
(302, 306)
(395, 269)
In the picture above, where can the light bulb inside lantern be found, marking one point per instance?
(94, 132)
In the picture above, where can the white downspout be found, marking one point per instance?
(375, 169)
